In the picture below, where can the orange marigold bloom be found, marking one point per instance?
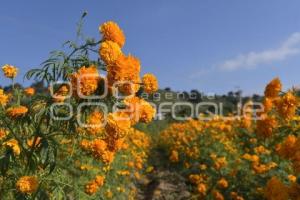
(222, 183)
(288, 148)
(111, 31)
(273, 88)
(85, 80)
(276, 190)
(29, 91)
(95, 123)
(268, 104)
(18, 111)
(10, 71)
(14, 145)
(124, 73)
(147, 112)
(27, 184)
(98, 147)
(108, 156)
(202, 188)
(217, 195)
(265, 126)
(287, 106)
(3, 98)
(174, 157)
(150, 83)
(118, 124)
(109, 52)
(91, 187)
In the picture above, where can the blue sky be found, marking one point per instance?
(209, 45)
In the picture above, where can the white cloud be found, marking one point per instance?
(289, 47)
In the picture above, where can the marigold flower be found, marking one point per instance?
(109, 52)
(93, 186)
(202, 188)
(287, 106)
(111, 31)
(273, 88)
(150, 83)
(276, 190)
(10, 71)
(268, 104)
(288, 148)
(14, 145)
(27, 184)
(95, 123)
(292, 178)
(29, 91)
(16, 112)
(265, 126)
(85, 81)
(222, 183)
(124, 73)
(174, 157)
(147, 112)
(118, 124)
(3, 98)
(217, 195)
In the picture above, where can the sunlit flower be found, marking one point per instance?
(222, 183)
(3, 98)
(95, 123)
(150, 83)
(85, 81)
(29, 91)
(14, 145)
(118, 124)
(265, 126)
(287, 106)
(17, 111)
(27, 184)
(273, 88)
(109, 52)
(112, 32)
(124, 74)
(10, 71)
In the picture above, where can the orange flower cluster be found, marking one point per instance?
(95, 123)
(266, 125)
(122, 71)
(112, 32)
(3, 98)
(287, 106)
(85, 81)
(27, 184)
(290, 149)
(10, 71)
(29, 91)
(273, 88)
(14, 145)
(17, 111)
(93, 186)
(150, 83)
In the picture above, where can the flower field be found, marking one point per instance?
(87, 135)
